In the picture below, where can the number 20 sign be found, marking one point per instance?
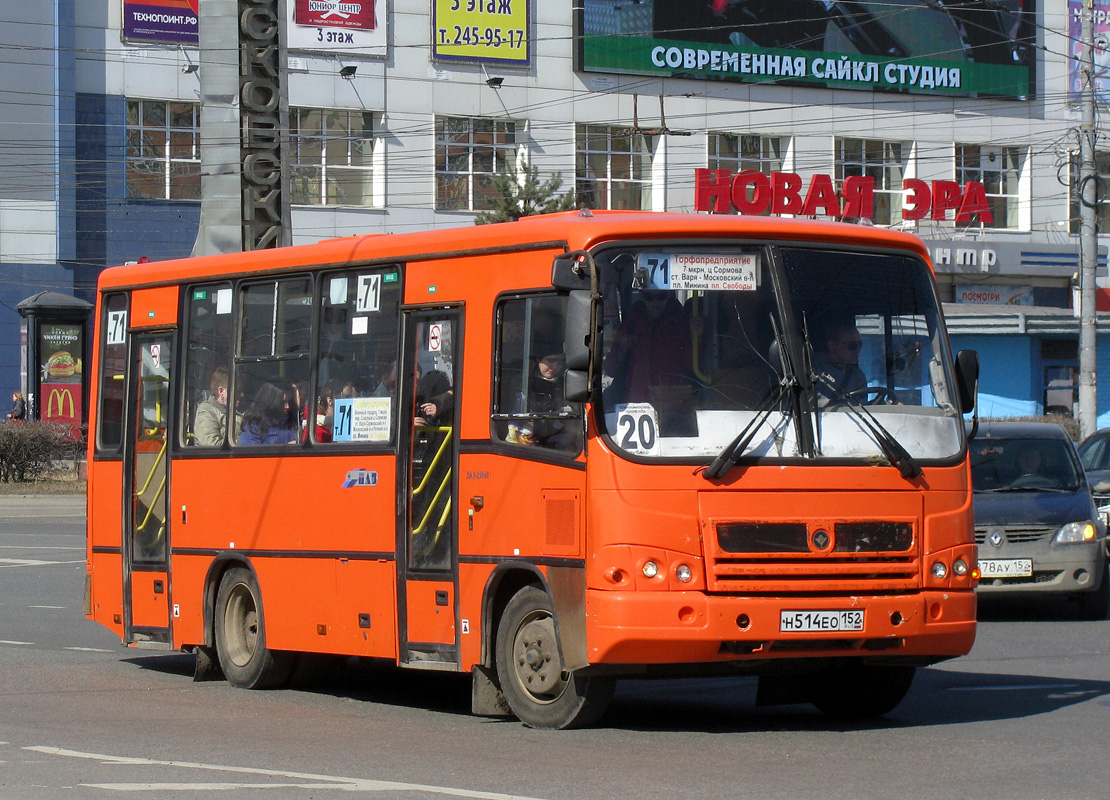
(638, 428)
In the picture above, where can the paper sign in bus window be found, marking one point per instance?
(223, 301)
(727, 272)
(362, 419)
(369, 296)
(637, 428)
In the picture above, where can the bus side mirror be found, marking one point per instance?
(967, 379)
(576, 385)
(572, 271)
(578, 329)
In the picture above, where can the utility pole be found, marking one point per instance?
(1088, 237)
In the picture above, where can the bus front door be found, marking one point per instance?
(146, 517)
(427, 544)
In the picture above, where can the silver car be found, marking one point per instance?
(1036, 524)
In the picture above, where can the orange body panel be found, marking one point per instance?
(150, 599)
(106, 574)
(431, 612)
(155, 307)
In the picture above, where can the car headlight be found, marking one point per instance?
(1076, 532)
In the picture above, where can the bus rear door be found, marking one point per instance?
(427, 547)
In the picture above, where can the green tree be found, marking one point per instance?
(522, 194)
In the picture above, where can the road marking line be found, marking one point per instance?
(57, 608)
(321, 781)
(27, 562)
(8, 641)
(89, 649)
(37, 547)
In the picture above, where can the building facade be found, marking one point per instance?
(399, 116)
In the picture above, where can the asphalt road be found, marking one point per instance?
(1026, 715)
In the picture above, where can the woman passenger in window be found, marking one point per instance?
(272, 416)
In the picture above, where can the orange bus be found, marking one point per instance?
(552, 453)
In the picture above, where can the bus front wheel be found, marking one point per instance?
(860, 691)
(241, 637)
(530, 668)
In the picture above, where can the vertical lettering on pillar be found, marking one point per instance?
(263, 115)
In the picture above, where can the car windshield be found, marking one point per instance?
(778, 347)
(1023, 463)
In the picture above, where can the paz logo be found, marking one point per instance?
(360, 477)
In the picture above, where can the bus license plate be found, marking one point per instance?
(1006, 568)
(812, 621)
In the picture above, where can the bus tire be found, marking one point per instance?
(241, 636)
(860, 691)
(529, 668)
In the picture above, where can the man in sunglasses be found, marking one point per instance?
(840, 361)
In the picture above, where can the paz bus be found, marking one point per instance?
(552, 453)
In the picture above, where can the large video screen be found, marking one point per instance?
(950, 47)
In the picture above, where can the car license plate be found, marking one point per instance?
(1006, 568)
(811, 621)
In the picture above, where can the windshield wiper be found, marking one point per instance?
(726, 459)
(897, 455)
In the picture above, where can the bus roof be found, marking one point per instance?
(573, 230)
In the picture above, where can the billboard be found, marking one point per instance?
(482, 31)
(950, 47)
(161, 21)
(1101, 30)
(61, 347)
(357, 27)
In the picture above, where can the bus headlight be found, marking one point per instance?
(1075, 532)
(939, 570)
(683, 573)
(960, 567)
(651, 569)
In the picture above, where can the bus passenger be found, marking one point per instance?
(434, 399)
(651, 360)
(272, 416)
(325, 414)
(839, 361)
(210, 422)
(546, 396)
(652, 347)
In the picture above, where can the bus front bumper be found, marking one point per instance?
(694, 627)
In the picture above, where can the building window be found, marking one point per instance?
(740, 152)
(163, 150)
(331, 153)
(885, 162)
(1102, 193)
(999, 170)
(612, 167)
(469, 153)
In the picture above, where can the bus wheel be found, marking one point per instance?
(859, 691)
(241, 638)
(530, 669)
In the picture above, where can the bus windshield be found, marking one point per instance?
(793, 350)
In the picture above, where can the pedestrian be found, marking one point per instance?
(19, 407)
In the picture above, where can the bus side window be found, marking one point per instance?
(113, 373)
(207, 366)
(356, 373)
(275, 335)
(530, 407)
